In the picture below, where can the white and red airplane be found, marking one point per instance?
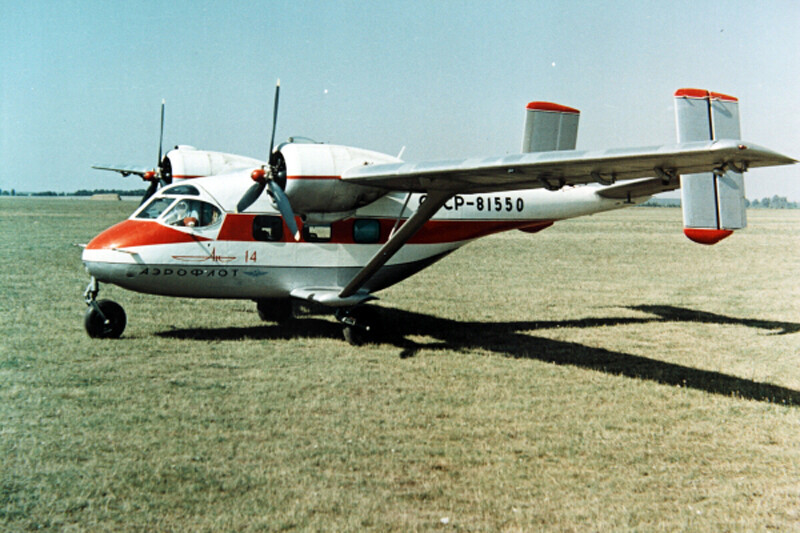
(334, 225)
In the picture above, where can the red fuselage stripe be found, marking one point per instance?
(240, 228)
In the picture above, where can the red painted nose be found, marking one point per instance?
(129, 233)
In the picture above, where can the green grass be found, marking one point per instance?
(605, 374)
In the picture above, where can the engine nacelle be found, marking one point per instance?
(186, 162)
(310, 174)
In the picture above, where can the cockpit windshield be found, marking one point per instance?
(155, 208)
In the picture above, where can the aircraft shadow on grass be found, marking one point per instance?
(514, 339)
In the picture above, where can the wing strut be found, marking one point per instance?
(400, 216)
(433, 202)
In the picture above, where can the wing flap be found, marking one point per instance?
(639, 188)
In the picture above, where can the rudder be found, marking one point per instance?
(549, 127)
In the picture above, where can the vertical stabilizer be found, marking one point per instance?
(713, 202)
(550, 127)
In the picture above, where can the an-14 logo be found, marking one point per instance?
(213, 257)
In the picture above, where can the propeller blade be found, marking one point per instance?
(151, 190)
(161, 136)
(274, 120)
(285, 208)
(250, 196)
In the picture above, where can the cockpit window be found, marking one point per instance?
(192, 213)
(155, 208)
(185, 190)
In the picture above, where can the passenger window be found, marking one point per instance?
(317, 232)
(193, 214)
(267, 228)
(366, 231)
(155, 208)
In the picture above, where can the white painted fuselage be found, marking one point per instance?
(251, 255)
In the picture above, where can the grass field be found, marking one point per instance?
(606, 374)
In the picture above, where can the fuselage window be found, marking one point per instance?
(192, 213)
(267, 228)
(184, 190)
(155, 208)
(366, 231)
(317, 232)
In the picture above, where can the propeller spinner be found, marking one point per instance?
(264, 178)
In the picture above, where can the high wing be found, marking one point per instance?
(125, 170)
(559, 168)
(552, 170)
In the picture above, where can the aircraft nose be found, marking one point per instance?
(106, 256)
(115, 237)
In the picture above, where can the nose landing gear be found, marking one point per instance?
(104, 319)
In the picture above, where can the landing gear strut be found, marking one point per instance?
(104, 319)
(360, 324)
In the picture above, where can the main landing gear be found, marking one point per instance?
(104, 319)
(361, 323)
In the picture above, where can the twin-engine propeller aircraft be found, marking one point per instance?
(333, 225)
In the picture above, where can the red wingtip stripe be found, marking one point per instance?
(549, 106)
(691, 93)
(703, 94)
(707, 236)
(720, 96)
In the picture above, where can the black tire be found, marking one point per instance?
(274, 310)
(354, 335)
(367, 324)
(112, 327)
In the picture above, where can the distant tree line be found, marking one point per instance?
(776, 202)
(82, 192)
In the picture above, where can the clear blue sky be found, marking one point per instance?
(82, 81)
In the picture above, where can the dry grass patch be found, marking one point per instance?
(605, 374)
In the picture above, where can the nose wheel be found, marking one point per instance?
(104, 319)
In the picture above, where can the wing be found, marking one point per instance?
(125, 170)
(556, 169)
(640, 169)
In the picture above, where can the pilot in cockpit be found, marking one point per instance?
(192, 213)
(183, 214)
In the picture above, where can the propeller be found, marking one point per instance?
(158, 176)
(264, 178)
